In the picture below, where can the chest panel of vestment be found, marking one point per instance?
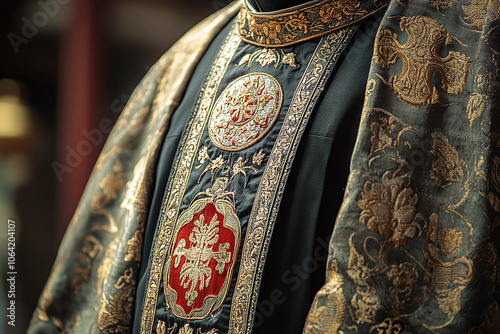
(228, 179)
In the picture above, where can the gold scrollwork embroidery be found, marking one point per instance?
(392, 326)
(117, 310)
(213, 166)
(479, 11)
(161, 328)
(485, 86)
(223, 165)
(304, 23)
(258, 158)
(182, 168)
(328, 308)
(111, 185)
(442, 4)
(279, 163)
(420, 55)
(447, 278)
(449, 169)
(381, 139)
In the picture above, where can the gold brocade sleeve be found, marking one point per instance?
(92, 285)
(415, 248)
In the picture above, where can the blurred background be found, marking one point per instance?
(67, 68)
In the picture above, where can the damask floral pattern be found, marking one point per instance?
(390, 209)
(422, 250)
(448, 167)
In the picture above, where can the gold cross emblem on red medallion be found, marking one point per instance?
(198, 272)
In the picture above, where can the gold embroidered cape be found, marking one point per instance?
(415, 245)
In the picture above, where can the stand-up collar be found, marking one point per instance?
(296, 24)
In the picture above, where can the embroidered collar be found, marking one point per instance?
(301, 23)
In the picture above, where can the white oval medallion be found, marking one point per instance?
(245, 111)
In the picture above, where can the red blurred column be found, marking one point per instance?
(79, 104)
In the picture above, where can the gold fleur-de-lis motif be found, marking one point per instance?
(420, 55)
(213, 165)
(240, 168)
(267, 56)
(258, 158)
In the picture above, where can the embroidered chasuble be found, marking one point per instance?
(328, 168)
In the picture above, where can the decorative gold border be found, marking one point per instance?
(232, 222)
(271, 187)
(182, 168)
(305, 23)
(276, 108)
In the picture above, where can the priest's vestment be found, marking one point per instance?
(214, 206)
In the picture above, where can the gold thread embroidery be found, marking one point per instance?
(183, 167)
(392, 326)
(302, 24)
(480, 11)
(448, 279)
(186, 329)
(328, 308)
(290, 59)
(420, 55)
(485, 85)
(111, 185)
(240, 168)
(258, 157)
(117, 310)
(476, 13)
(381, 139)
(161, 328)
(264, 57)
(268, 56)
(442, 4)
(450, 241)
(91, 248)
(265, 205)
(448, 167)
(221, 164)
(213, 166)
(245, 111)
(365, 301)
(390, 209)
